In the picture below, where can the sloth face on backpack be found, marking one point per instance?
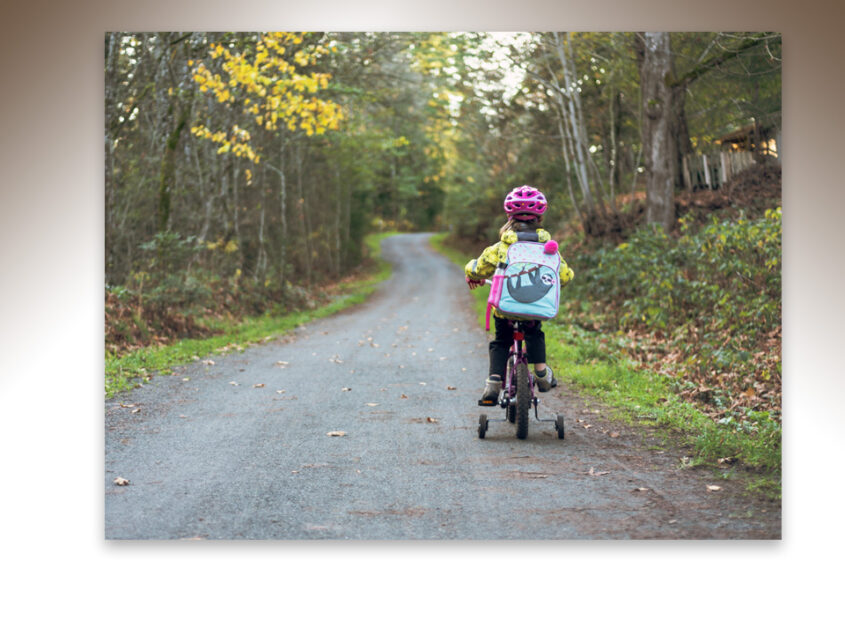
(527, 274)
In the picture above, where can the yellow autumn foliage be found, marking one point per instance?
(268, 89)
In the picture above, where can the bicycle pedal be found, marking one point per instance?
(487, 403)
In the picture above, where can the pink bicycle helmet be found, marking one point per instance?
(525, 201)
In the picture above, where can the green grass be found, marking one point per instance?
(596, 364)
(128, 371)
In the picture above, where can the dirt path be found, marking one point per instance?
(241, 449)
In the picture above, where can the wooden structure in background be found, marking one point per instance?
(739, 150)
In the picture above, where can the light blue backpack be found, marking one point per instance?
(527, 284)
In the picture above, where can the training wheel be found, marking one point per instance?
(559, 425)
(482, 425)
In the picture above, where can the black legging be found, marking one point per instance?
(535, 344)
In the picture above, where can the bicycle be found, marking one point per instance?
(517, 395)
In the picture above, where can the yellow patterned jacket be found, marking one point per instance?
(485, 265)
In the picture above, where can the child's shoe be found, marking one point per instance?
(491, 391)
(545, 381)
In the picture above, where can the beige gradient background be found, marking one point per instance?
(51, 370)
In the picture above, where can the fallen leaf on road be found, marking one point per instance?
(579, 420)
(371, 404)
(280, 391)
(403, 396)
(346, 389)
(121, 482)
(429, 419)
(714, 487)
(233, 383)
(187, 378)
(136, 410)
(614, 434)
(451, 387)
(336, 433)
(208, 362)
(641, 489)
(421, 383)
(586, 426)
(530, 474)
(593, 472)
(258, 385)
(129, 404)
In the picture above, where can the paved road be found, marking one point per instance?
(211, 455)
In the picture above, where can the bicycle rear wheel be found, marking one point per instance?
(511, 409)
(523, 400)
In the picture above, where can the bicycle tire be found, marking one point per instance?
(511, 408)
(482, 426)
(559, 426)
(523, 400)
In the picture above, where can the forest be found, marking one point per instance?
(244, 172)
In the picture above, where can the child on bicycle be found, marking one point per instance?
(525, 207)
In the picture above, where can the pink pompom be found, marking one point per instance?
(551, 247)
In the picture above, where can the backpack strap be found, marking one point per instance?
(527, 236)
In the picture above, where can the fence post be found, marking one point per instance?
(687, 178)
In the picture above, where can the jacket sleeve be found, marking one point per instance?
(484, 265)
(566, 274)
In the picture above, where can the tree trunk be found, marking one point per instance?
(681, 145)
(168, 164)
(575, 129)
(283, 212)
(306, 219)
(655, 68)
(337, 218)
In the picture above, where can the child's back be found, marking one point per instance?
(525, 207)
